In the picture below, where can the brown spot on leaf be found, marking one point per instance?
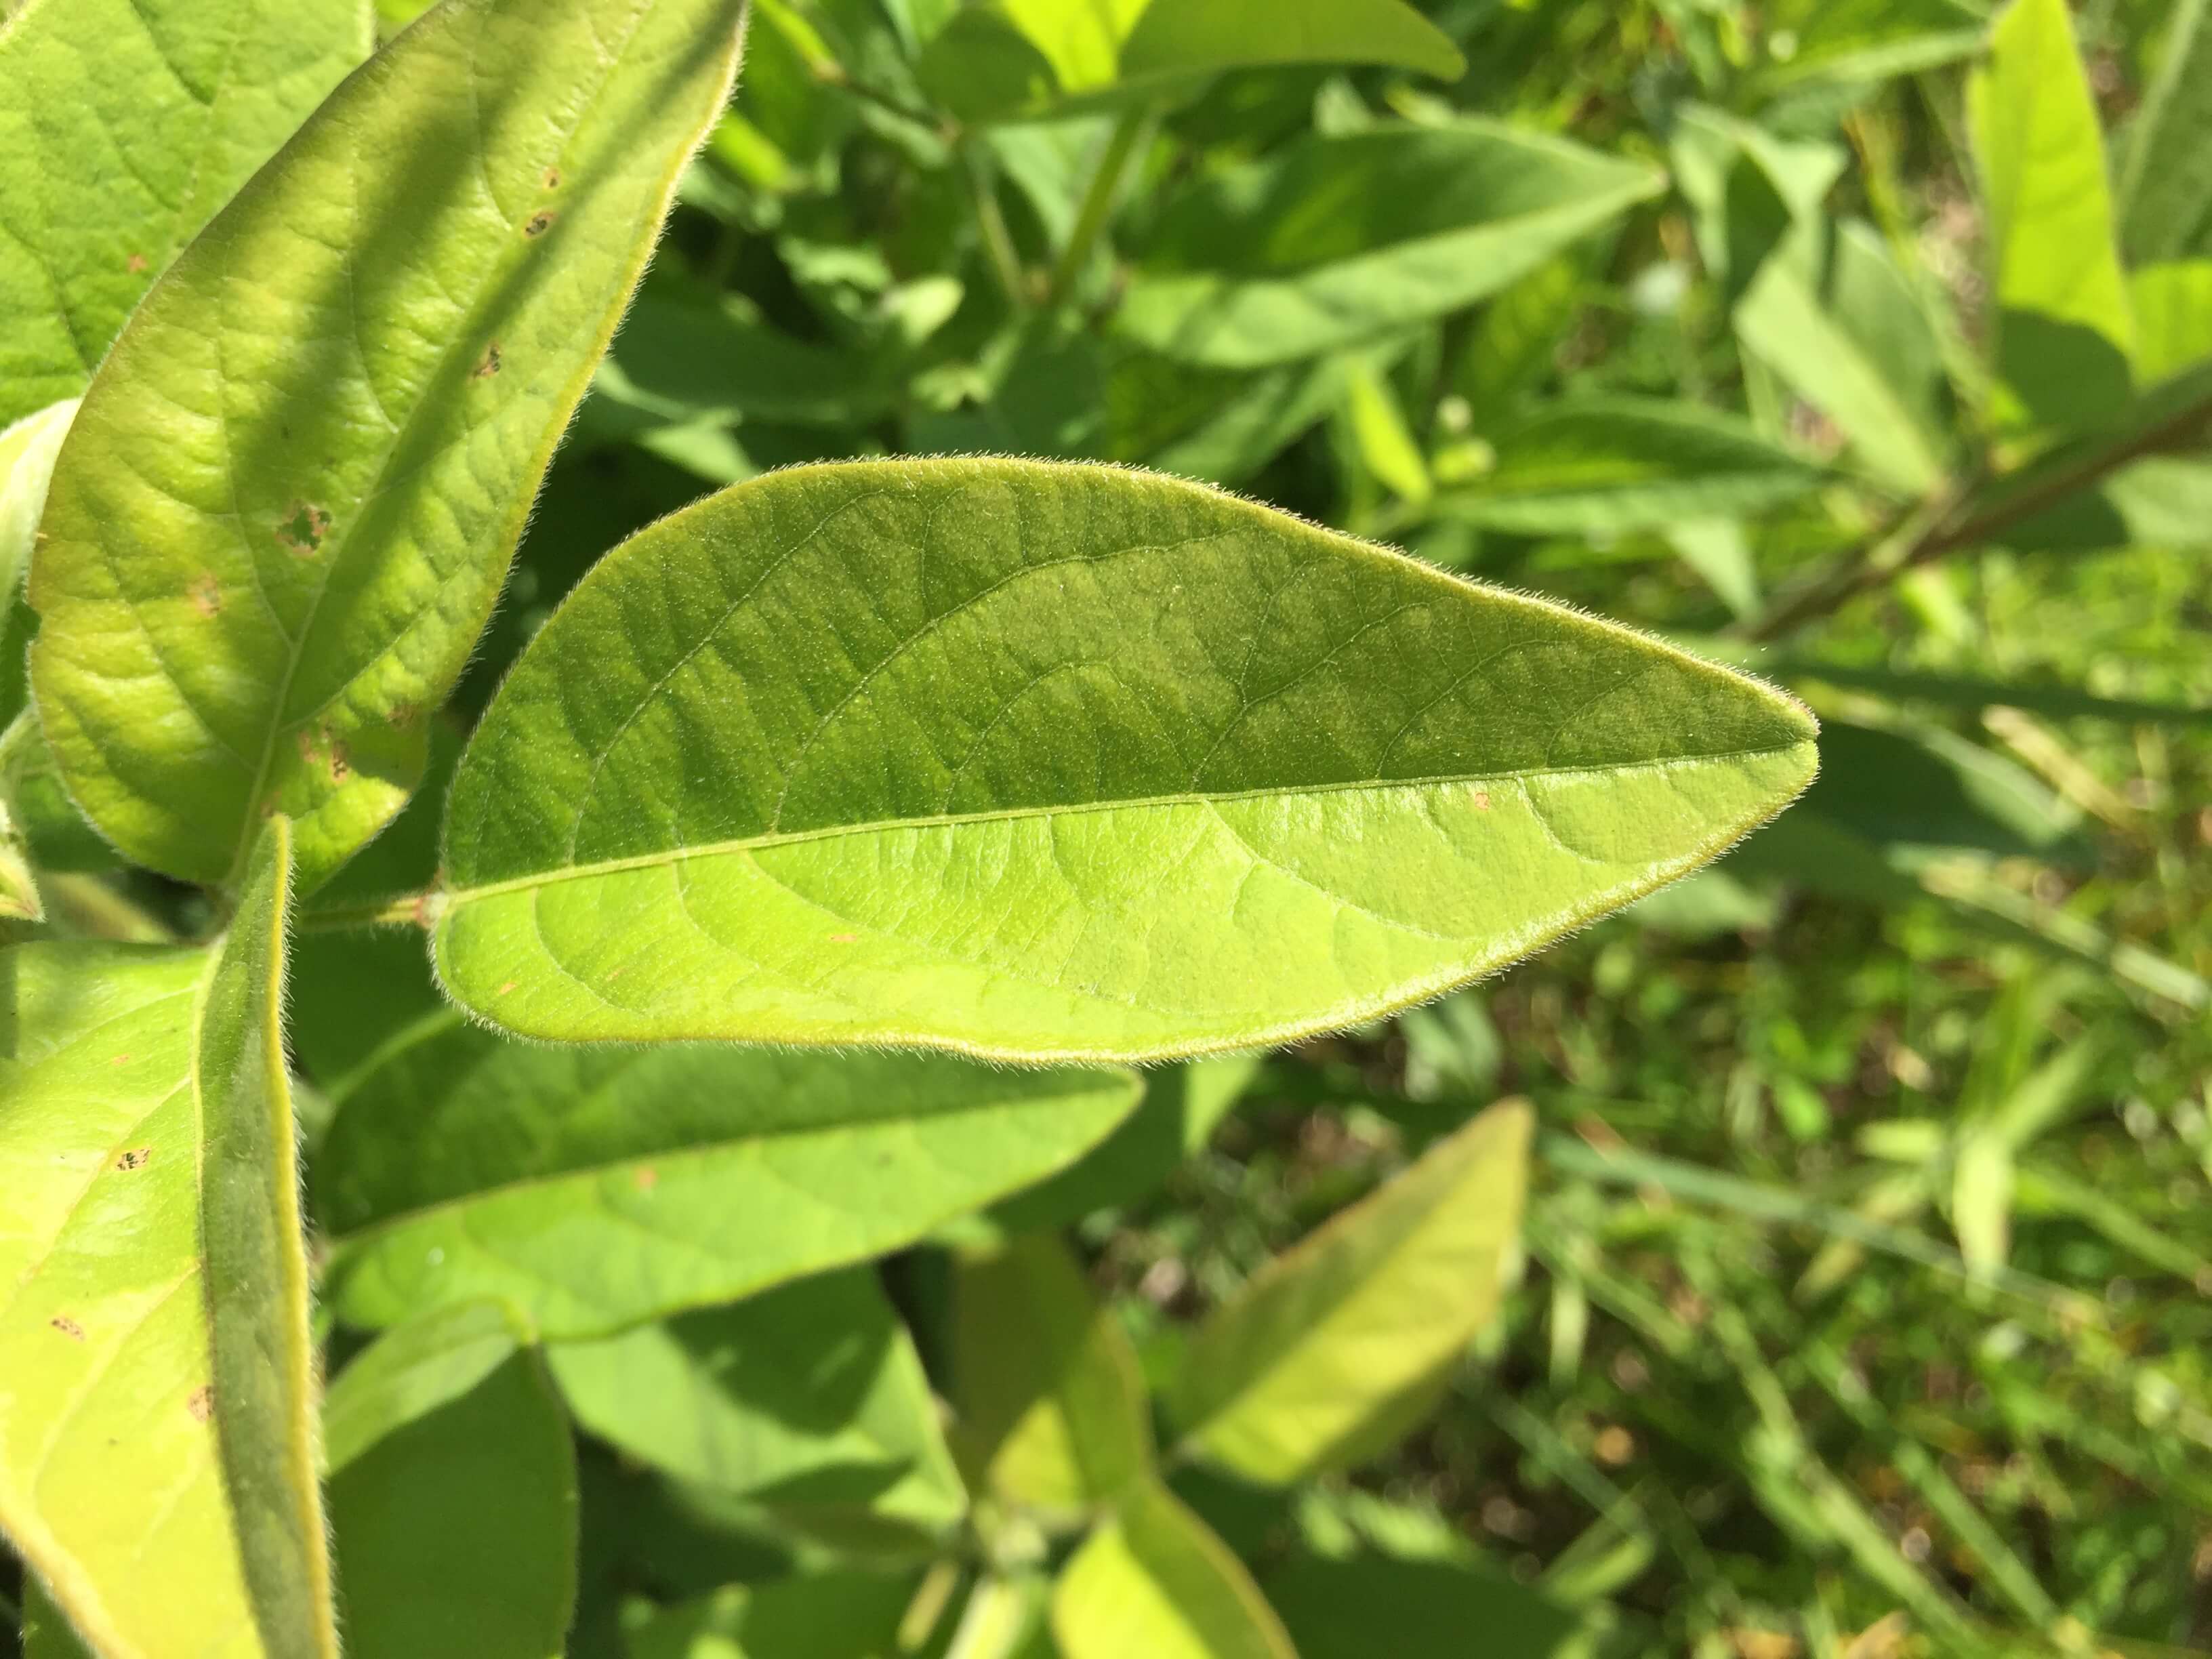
(201, 1403)
(137, 265)
(341, 762)
(539, 222)
(509, 986)
(844, 939)
(402, 715)
(206, 593)
(120, 1060)
(552, 178)
(303, 529)
(648, 1178)
(489, 366)
(68, 1327)
(1482, 801)
(135, 1159)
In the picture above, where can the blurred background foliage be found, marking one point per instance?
(1864, 1303)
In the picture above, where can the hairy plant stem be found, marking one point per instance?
(1128, 136)
(398, 910)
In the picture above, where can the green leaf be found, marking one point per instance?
(325, 429)
(1921, 793)
(1861, 40)
(1339, 239)
(1176, 38)
(1153, 1580)
(1862, 353)
(157, 1447)
(594, 1188)
(2165, 178)
(2063, 332)
(1282, 1382)
(808, 1400)
(1049, 1404)
(452, 1494)
(1053, 761)
(1023, 58)
(2173, 318)
(1333, 1609)
(1608, 466)
(46, 1634)
(125, 124)
(829, 1615)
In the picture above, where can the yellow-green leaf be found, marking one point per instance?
(1048, 762)
(1154, 1580)
(453, 1499)
(157, 1446)
(808, 1400)
(595, 1188)
(290, 498)
(1285, 1379)
(125, 124)
(2063, 332)
(1050, 1408)
(2173, 318)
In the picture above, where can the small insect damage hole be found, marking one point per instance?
(552, 178)
(491, 365)
(68, 1327)
(1482, 801)
(206, 593)
(301, 529)
(201, 1403)
(136, 1158)
(539, 222)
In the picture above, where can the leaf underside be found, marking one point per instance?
(157, 1441)
(290, 498)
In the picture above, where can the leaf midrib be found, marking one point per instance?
(455, 898)
(464, 340)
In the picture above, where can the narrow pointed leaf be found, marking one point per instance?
(2165, 178)
(1857, 41)
(593, 1189)
(1055, 761)
(323, 430)
(1341, 240)
(1284, 1380)
(1176, 38)
(454, 1498)
(2064, 331)
(1026, 58)
(2173, 317)
(1155, 1580)
(1612, 466)
(157, 1448)
(125, 124)
(1049, 1403)
(808, 1400)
